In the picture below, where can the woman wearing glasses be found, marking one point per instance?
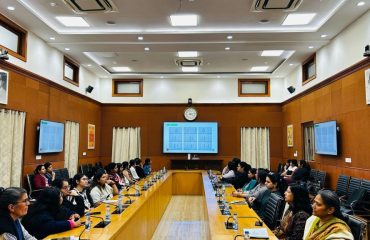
(71, 200)
(13, 205)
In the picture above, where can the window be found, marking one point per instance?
(308, 141)
(13, 38)
(71, 71)
(127, 88)
(254, 88)
(309, 69)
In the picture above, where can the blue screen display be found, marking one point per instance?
(326, 138)
(51, 137)
(190, 137)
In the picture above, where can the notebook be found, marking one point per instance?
(257, 232)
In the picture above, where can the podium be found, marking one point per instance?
(201, 164)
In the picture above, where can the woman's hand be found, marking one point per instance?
(76, 223)
(74, 216)
(73, 193)
(251, 199)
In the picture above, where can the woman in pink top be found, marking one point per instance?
(40, 181)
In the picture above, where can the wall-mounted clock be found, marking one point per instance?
(190, 114)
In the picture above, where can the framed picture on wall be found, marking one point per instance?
(367, 85)
(90, 136)
(4, 80)
(290, 135)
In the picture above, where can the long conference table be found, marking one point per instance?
(140, 220)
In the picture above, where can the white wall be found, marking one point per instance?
(48, 62)
(343, 51)
(201, 90)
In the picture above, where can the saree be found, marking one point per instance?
(334, 226)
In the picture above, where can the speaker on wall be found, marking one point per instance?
(89, 89)
(291, 89)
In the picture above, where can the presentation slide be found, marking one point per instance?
(51, 137)
(326, 138)
(190, 137)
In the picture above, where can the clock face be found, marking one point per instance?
(190, 114)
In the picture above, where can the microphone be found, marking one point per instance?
(129, 199)
(137, 191)
(101, 224)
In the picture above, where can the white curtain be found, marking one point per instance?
(255, 146)
(126, 144)
(72, 135)
(11, 147)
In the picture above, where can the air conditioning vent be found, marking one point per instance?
(188, 62)
(266, 5)
(93, 6)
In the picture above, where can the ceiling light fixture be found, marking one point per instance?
(89, 65)
(187, 54)
(53, 4)
(298, 19)
(361, 4)
(310, 47)
(67, 49)
(227, 48)
(186, 20)
(121, 69)
(229, 37)
(146, 49)
(73, 21)
(190, 69)
(259, 68)
(52, 38)
(324, 35)
(11, 8)
(291, 64)
(140, 38)
(271, 53)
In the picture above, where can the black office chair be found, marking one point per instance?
(84, 169)
(349, 206)
(358, 226)
(320, 179)
(33, 192)
(342, 185)
(273, 211)
(365, 184)
(354, 185)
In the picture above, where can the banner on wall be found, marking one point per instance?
(367, 85)
(4, 86)
(90, 136)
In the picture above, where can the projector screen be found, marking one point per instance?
(190, 137)
(326, 138)
(51, 137)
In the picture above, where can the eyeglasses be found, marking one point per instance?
(27, 200)
(65, 187)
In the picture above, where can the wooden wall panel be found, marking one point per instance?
(344, 101)
(230, 117)
(41, 100)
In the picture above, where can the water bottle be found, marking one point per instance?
(107, 212)
(164, 169)
(246, 235)
(88, 221)
(119, 205)
(137, 192)
(235, 221)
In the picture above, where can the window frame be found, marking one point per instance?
(22, 38)
(246, 81)
(115, 83)
(76, 71)
(305, 67)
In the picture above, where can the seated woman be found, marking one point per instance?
(112, 170)
(71, 200)
(232, 169)
(139, 169)
(13, 206)
(133, 170)
(80, 184)
(259, 202)
(127, 174)
(39, 180)
(241, 175)
(147, 167)
(294, 219)
(42, 218)
(50, 174)
(292, 167)
(102, 188)
(302, 174)
(327, 221)
(261, 175)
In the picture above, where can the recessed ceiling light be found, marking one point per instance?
(140, 38)
(184, 20)
(310, 47)
(229, 37)
(324, 35)
(121, 69)
(52, 38)
(11, 8)
(187, 54)
(189, 69)
(259, 68)
(271, 53)
(291, 64)
(73, 21)
(146, 49)
(361, 4)
(227, 48)
(53, 4)
(89, 65)
(67, 49)
(298, 19)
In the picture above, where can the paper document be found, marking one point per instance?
(257, 232)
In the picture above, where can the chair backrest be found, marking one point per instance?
(313, 174)
(320, 178)
(30, 182)
(366, 185)
(273, 210)
(354, 184)
(356, 197)
(358, 227)
(61, 173)
(342, 185)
